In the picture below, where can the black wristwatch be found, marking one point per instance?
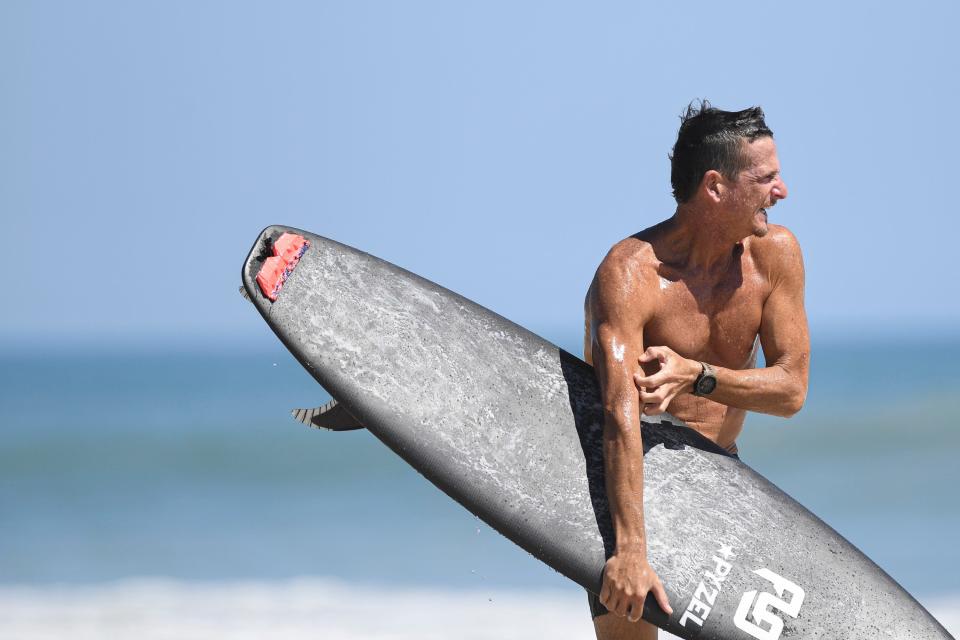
(706, 382)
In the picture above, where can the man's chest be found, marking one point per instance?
(714, 320)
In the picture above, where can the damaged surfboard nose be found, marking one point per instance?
(287, 251)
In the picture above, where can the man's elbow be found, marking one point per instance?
(794, 400)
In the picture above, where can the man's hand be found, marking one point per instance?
(627, 578)
(676, 376)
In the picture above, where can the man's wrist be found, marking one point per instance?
(631, 547)
(694, 369)
(706, 381)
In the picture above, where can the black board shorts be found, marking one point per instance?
(593, 600)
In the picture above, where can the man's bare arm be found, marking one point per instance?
(780, 388)
(616, 312)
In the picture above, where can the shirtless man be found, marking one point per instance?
(681, 305)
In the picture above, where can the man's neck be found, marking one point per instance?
(699, 240)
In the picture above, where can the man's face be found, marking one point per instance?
(758, 187)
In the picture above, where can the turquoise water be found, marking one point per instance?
(186, 465)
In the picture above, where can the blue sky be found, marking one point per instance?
(498, 148)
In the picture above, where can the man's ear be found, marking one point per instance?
(712, 185)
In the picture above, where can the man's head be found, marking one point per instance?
(729, 158)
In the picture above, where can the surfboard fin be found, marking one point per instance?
(331, 416)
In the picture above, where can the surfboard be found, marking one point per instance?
(510, 426)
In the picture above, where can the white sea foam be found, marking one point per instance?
(147, 609)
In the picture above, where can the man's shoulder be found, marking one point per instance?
(776, 242)
(632, 252)
(629, 259)
(629, 267)
(777, 251)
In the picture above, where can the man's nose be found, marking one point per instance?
(780, 189)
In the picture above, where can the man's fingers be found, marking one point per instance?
(653, 396)
(655, 409)
(656, 405)
(616, 602)
(636, 606)
(656, 401)
(643, 381)
(616, 606)
(604, 593)
(653, 403)
(649, 355)
(649, 382)
(609, 597)
(656, 353)
(661, 595)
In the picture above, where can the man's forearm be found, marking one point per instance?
(623, 463)
(775, 389)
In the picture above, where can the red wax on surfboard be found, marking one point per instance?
(290, 247)
(271, 276)
(287, 250)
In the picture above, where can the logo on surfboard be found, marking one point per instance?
(757, 613)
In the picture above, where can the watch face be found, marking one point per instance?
(707, 385)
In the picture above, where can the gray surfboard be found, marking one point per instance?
(510, 426)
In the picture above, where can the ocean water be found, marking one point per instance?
(158, 493)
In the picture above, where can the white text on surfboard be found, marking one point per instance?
(706, 593)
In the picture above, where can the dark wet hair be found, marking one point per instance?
(709, 138)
